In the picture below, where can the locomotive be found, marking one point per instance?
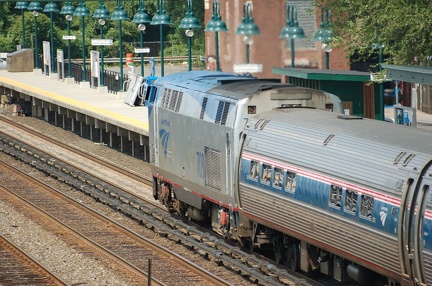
(269, 165)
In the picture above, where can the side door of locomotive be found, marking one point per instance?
(411, 226)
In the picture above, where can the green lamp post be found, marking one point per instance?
(247, 27)
(68, 10)
(35, 7)
(380, 48)
(22, 6)
(161, 18)
(216, 25)
(324, 34)
(51, 8)
(118, 15)
(141, 18)
(101, 13)
(82, 11)
(189, 22)
(291, 30)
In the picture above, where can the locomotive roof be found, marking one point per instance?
(224, 84)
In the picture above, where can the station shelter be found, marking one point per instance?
(359, 95)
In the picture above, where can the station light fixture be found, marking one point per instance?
(161, 18)
(216, 25)
(189, 22)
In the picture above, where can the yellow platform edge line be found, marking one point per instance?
(74, 102)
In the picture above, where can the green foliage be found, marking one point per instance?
(11, 28)
(400, 25)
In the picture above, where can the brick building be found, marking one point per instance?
(267, 49)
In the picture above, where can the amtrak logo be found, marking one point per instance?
(164, 136)
(383, 216)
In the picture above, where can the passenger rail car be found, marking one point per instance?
(326, 192)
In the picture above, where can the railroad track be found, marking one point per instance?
(102, 236)
(141, 178)
(262, 271)
(18, 268)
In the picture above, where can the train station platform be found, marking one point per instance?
(99, 116)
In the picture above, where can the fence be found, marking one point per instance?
(111, 78)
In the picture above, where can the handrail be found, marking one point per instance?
(116, 60)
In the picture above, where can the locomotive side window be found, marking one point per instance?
(266, 174)
(350, 202)
(278, 178)
(290, 182)
(366, 207)
(335, 197)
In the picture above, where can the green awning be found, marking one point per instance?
(315, 74)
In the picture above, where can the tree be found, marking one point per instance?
(402, 26)
(11, 30)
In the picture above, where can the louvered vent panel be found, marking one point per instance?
(179, 100)
(212, 168)
(173, 100)
(166, 97)
(225, 113)
(219, 112)
(203, 107)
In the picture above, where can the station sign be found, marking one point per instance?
(248, 68)
(69, 37)
(102, 42)
(142, 50)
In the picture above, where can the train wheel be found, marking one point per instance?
(178, 207)
(280, 255)
(293, 257)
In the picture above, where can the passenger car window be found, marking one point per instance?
(266, 174)
(366, 207)
(335, 197)
(278, 178)
(351, 201)
(254, 170)
(290, 182)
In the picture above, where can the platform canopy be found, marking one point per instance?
(415, 74)
(316, 74)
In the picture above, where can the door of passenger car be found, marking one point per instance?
(411, 224)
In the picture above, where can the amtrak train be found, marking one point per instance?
(269, 165)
